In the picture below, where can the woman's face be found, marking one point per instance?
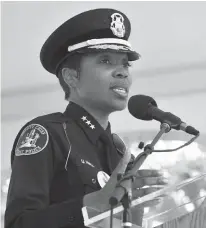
(104, 81)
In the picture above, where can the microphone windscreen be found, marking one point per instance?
(138, 106)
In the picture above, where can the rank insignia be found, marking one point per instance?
(88, 122)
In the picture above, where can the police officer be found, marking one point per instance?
(62, 161)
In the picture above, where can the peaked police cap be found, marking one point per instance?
(91, 31)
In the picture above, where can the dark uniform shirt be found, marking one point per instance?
(55, 161)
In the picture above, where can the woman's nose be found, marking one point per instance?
(120, 74)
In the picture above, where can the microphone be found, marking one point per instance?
(145, 108)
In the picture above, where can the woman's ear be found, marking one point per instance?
(70, 77)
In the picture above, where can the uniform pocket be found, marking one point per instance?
(88, 175)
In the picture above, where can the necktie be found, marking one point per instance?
(105, 150)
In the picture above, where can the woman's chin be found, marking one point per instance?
(119, 105)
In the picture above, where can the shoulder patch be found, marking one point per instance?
(33, 139)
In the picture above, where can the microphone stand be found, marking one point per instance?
(127, 214)
(123, 192)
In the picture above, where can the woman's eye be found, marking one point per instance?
(105, 61)
(127, 64)
(108, 61)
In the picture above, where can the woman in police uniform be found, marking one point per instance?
(61, 161)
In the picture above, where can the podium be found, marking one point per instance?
(177, 200)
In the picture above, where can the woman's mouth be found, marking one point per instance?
(122, 92)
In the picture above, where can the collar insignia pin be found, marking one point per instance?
(92, 127)
(88, 122)
(84, 118)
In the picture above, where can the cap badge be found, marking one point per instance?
(117, 25)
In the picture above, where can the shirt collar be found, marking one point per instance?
(86, 121)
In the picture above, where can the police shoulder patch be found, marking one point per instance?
(33, 139)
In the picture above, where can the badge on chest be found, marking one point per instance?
(102, 178)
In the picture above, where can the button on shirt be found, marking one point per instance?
(55, 161)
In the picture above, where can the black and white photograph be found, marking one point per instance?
(103, 114)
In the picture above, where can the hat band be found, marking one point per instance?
(103, 41)
(111, 46)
